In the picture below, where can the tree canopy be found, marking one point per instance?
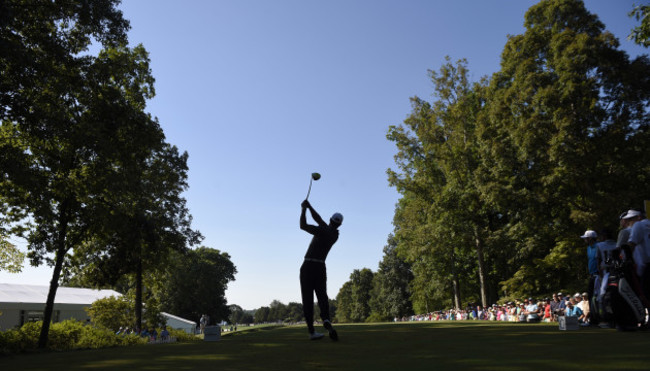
(499, 178)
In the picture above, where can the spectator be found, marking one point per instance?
(592, 262)
(574, 311)
(639, 241)
(532, 311)
(555, 303)
(606, 247)
(520, 311)
(548, 316)
(561, 307)
(202, 323)
(164, 334)
(586, 307)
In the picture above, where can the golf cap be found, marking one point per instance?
(632, 214)
(589, 234)
(577, 295)
(337, 218)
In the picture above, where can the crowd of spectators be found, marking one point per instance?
(526, 310)
(631, 246)
(150, 334)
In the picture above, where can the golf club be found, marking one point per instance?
(314, 176)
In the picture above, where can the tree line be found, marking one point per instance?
(87, 177)
(498, 178)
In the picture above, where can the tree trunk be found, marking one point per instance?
(455, 281)
(61, 250)
(138, 295)
(481, 267)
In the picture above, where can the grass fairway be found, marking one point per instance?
(432, 346)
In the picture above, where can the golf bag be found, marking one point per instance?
(621, 303)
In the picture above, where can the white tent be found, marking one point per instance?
(179, 323)
(25, 303)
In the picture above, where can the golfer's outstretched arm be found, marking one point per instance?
(303, 217)
(315, 216)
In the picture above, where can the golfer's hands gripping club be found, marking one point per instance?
(305, 204)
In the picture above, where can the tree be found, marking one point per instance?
(149, 222)
(70, 123)
(442, 213)
(354, 297)
(239, 316)
(262, 315)
(196, 283)
(11, 259)
(391, 293)
(111, 312)
(565, 120)
(641, 33)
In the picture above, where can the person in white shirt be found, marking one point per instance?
(640, 241)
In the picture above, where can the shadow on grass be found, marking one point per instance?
(448, 345)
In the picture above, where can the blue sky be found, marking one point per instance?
(263, 93)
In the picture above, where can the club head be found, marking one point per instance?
(315, 176)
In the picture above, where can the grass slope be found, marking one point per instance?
(438, 346)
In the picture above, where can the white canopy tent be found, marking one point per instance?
(25, 303)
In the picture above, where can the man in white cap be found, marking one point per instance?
(313, 274)
(590, 237)
(639, 241)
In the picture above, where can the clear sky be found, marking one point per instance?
(263, 93)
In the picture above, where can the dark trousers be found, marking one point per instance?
(313, 277)
(594, 316)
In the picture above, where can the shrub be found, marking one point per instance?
(111, 312)
(66, 335)
(181, 335)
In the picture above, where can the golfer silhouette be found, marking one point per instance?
(313, 275)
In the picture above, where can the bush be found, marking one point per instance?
(66, 335)
(181, 335)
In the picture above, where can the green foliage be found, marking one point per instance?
(239, 316)
(262, 315)
(181, 335)
(499, 178)
(66, 335)
(391, 295)
(112, 312)
(11, 259)
(353, 298)
(195, 284)
(641, 33)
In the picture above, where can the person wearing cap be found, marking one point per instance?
(590, 238)
(313, 274)
(561, 306)
(639, 241)
(531, 311)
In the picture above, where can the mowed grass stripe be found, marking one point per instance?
(439, 346)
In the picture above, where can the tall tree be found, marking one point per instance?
(70, 122)
(565, 123)
(262, 315)
(443, 213)
(196, 284)
(354, 297)
(391, 294)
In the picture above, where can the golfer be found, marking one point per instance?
(313, 276)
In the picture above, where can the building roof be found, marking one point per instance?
(15, 293)
(177, 318)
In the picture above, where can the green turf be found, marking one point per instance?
(432, 346)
